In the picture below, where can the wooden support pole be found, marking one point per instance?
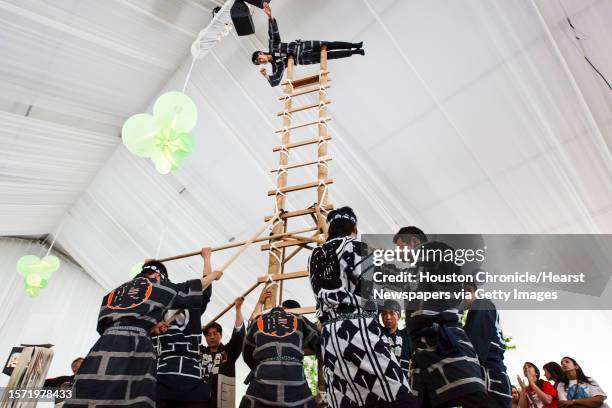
(322, 173)
(282, 276)
(235, 244)
(303, 310)
(228, 307)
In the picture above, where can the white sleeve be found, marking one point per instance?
(561, 392)
(595, 389)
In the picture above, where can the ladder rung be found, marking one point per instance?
(302, 164)
(307, 80)
(302, 310)
(282, 276)
(299, 187)
(301, 143)
(303, 92)
(284, 244)
(304, 107)
(304, 124)
(299, 213)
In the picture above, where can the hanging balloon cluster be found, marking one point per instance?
(36, 272)
(164, 136)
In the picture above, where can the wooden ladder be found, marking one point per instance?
(317, 212)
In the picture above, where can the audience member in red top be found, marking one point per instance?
(536, 393)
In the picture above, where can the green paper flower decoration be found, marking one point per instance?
(36, 272)
(164, 136)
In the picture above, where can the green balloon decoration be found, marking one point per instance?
(163, 137)
(36, 272)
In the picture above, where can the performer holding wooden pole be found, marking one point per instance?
(121, 367)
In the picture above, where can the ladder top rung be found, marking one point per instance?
(304, 124)
(303, 81)
(299, 187)
(303, 92)
(305, 107)
(299, 213)
(304, 142)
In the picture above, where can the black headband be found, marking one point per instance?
(346, 216)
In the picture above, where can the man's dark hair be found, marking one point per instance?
(341, 221)
(213, 325)
(392, 305)
(406, 232)
(291, 304)
(254, 57)
(152, 267)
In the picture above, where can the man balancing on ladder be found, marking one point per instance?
(303, 52)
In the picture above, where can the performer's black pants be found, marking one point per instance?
(181, 404)
(338, 45)
(472, 400)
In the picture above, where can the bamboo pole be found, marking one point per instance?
(228, 307)
(237, 244)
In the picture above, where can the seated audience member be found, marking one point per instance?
(536, 393)
(554, 373)
(578, 390)
(274, 351)
(219, 360)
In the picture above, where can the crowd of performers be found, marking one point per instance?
(150, 351)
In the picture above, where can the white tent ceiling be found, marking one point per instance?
(464, 116)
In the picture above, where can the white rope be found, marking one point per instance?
(59, 229)
(321, 73)
(284, 150)
(193, 60)
(161, 239)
